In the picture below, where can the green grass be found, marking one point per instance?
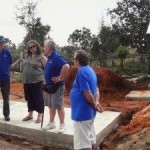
(144, 80)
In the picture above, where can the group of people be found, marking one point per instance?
(44, 72)
(43, 80)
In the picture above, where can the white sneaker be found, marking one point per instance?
(62, 128)
(50, 125)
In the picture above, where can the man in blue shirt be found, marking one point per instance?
(84, 98)
(5, 65)
(55, 71)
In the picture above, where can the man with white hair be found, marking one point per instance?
(55, 71)
(5, 65)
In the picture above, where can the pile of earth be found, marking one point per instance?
(132, 136)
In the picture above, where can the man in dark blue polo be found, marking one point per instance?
(5, 65)
(55, 71)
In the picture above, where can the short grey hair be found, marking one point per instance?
(82, 56)
(51, 44)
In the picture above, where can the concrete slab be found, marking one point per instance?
(137, 78)
(139, 95)
(104, 123)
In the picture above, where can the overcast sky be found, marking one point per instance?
(64, 16)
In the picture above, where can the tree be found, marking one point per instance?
(26, 15)
(96, 47)
(131, 19)
(67, 52)
(81, 39)
(122, 52)
(96, 50)
(110, 40)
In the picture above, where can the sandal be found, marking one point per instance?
(27, 118)
(38, 121)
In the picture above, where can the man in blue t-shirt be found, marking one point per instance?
(5, 65)
(55, 71)
(84, 98)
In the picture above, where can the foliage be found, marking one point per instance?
(144, 80)
(131, 19)
(12, 47)
(131, 67)
(117, 70)
(109, 40)
(122, 52)
(26, 16)
(96, 47)
(81, 39)
(67, 52)
(97, 53)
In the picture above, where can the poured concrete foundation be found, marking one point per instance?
(138, 95)
(104, 123)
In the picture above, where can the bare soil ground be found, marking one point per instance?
(134, 130)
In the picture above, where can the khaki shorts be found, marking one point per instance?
(84, 134)
(55, 100)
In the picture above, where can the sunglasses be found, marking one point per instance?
(32, 47)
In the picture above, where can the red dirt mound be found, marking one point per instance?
(139, 121)
(109, 81)
(17, 89)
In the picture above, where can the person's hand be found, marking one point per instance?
(98, 107)
(56, 79)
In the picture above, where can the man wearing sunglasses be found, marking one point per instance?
(5, 65)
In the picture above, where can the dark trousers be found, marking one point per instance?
(34, 97)
(5, 89)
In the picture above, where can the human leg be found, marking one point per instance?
(5, 88)
(51, 123)
(83, 139)
(29, 99)
(48, 98)
(92, 134)
(61, 114)
(60, 108)
(52, 112)
(37, 97)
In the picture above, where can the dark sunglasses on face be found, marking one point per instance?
(32, 47)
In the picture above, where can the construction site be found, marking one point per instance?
(124, 124)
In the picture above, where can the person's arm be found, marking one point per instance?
(97, 97)
(91, 99)
(64, 71)
(43, 60)
(62, 75)
(16, 62)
